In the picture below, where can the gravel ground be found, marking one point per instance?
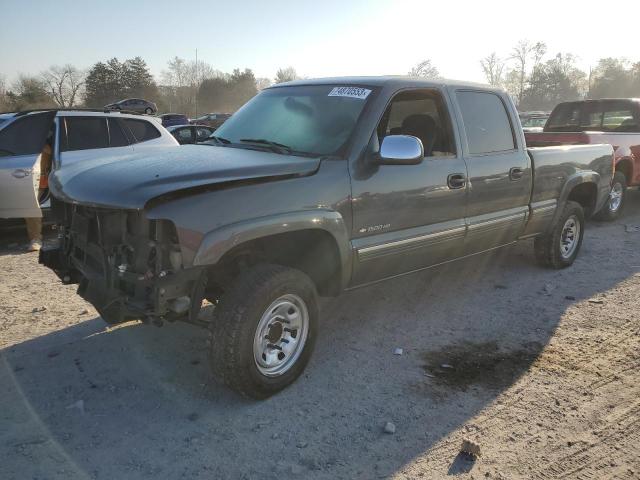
(538, 367)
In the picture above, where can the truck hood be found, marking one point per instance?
(130, 181)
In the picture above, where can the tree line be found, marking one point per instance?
(534, 79)
(184, 86)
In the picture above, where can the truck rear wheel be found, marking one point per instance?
(559, 247)
(615, 202)
(264, 330)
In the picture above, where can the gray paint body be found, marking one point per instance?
(386, 220)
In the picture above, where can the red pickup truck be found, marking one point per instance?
(612, 121)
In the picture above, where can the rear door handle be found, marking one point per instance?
(516, 173)
(456, 180)
(21, 173)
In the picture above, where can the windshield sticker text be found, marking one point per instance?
(353, 92)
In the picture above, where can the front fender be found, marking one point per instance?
(221, 240)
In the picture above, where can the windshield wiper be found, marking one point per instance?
(275, 146)
(221, 140)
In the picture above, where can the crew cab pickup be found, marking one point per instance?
(312, 188)
(612, 121)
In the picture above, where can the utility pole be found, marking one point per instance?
(197, 86)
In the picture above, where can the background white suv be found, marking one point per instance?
(73, 136)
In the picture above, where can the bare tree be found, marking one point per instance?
(522, 53)
(64, 84)
(493, 67)
(262, 83)
(425, 69)
(285, 75)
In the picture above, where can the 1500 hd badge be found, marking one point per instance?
(374, 228)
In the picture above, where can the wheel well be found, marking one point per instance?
(626, 167)
(585, 194)
(314, 252)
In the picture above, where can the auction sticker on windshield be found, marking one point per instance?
(353, 92)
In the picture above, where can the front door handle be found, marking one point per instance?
(516, 173)
(21, 173)
(456, 180)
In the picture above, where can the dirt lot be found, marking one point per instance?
(539, 367)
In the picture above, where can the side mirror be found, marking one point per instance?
(400, 150)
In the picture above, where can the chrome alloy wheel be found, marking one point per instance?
(615, 197)
(569, 237)
(281, 335)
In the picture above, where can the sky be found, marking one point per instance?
(318, 38)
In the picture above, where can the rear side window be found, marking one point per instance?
(141, 130)
(85, 133)
(486, 122)
(26, 136)
(605, 116)
(117, 137)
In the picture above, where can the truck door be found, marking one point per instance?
(499, 170)
(21, 143)
(407, 217)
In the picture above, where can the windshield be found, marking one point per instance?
(313, 120)
(602, 116)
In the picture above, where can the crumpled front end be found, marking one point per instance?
(125, 265)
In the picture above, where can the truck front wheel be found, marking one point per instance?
(264, 329)
(559, 247)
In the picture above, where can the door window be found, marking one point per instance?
(116, 135)
(85, 133)
(183, 135)
(27, 135)
(486, 122)
(422, 114)
(141, 130)
(202, 134)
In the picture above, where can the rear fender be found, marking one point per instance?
(580, 178)
(220, 241)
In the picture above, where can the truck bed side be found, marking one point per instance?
(558, 171)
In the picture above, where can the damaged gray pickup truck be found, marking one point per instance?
(312, 188)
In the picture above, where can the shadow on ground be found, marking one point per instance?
(137, 402)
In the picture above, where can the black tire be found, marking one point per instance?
(548, 247)
(148, 111)
(236, 321)
(608, 213)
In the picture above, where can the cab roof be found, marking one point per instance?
(384, 81)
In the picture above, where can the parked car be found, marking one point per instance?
(612, 121)
(170, 119)
(315, 187)
(74, 136)
(533, 121)
(186, 134)
(212, 119)
(134, 105)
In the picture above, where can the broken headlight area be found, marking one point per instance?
(127, 266)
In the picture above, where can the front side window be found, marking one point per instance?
(141, 130)
(313, 119)
(27, 135)
(85, 133)
(202, 134)
(422, 114)
(486, 122)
